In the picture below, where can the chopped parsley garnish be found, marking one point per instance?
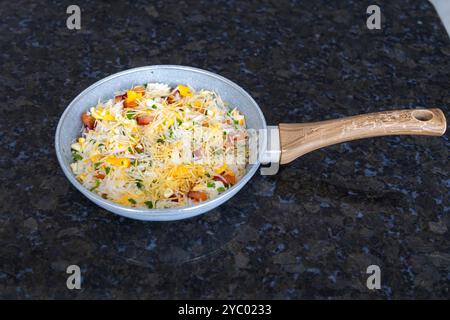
(139, 184)
(97, 184)
(154, 106)
(132, 201)
(149, 204)
(221, 189)
(211, 185)
(107, 170)
(97, 165)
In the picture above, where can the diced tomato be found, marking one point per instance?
(230, 179)
(144, 120)
(200, 109)
(119, 98)
(100, 176)
(88, 121)
(139, 148)
(130, 103)
(174, 96)
(227, 179)
(198, 195)
(140, 90)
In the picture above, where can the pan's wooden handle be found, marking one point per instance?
(300, 138)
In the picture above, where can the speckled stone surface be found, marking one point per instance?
(308, 232)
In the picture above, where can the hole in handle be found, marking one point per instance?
(422, 115)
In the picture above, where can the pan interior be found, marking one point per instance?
(69, 126)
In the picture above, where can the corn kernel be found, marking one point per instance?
(120, 162)
(184, 91)
(221, 169)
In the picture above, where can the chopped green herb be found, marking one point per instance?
(208, 175)
(130, 114)
(154, 106)
(179, 121)
(221, 189)
(97, 184)
(132, 201)
(160, 140)
(130, 150)
(139, 184)
(97, 165)
(149, 204)
(211, 185)
(76, 156)
(107, 170)
(236, 122)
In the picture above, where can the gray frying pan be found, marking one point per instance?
(277, 144)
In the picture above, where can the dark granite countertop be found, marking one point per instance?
(308, 232)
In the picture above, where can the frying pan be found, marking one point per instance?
(277, 144)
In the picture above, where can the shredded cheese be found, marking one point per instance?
(160, 147)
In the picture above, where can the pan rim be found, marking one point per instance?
(168, 214)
